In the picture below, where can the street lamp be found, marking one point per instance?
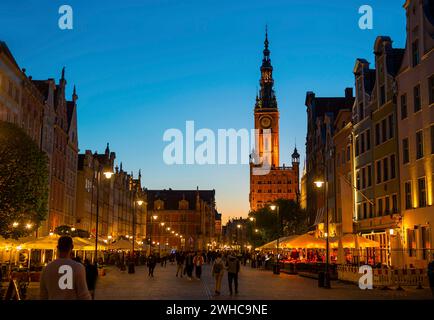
(106, 170)
(154, 217)
(277, 266)
(319, 184)
(132, 263)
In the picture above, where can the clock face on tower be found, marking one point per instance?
(265, 122)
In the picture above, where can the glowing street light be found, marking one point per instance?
(108, 174)
(319, 183)
(29, 226)
(15, 224)
(139, 202)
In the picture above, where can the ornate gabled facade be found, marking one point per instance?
(322, 113)
(116, 198)
(190, 213)
(376, 174)
(279, 182)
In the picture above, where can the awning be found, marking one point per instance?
(354, 241)
(305, 241)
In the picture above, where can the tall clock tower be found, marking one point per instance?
(281, 182)
(266, 113)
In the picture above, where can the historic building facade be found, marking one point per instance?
(343, 177)
(322, 113)
(181, 219)
(279, 181)
(116, 198)
(21, 102)
(40, 108)
(416, 136)
(235, 235)
(376, 147)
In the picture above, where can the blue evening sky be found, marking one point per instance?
(142, 67)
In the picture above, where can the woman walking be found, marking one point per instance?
(198, 262)
(218, 270)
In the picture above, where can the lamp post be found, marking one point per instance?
(277, 266)
(131, 268)
(107, 174)
(319, 184)
(154, 217)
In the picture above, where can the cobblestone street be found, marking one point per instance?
(253, 284)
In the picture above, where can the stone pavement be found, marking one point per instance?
(253, 284)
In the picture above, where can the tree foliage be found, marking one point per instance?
(23, 182)
(291, 220)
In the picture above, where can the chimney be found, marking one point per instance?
(348, 93)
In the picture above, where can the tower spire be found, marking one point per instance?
(267, 98)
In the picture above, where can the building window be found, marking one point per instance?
(365, 210)
(415, 53)
(382, 95)
(416, 98)
(362, 140)
(378, 171)
(383, 130)
(369, 176)
(404, 113)
(387, 205)
(391, 126)
(405, 151)
(408, 202)
(385, 169)
(377, 134)
(411, 242)
(421, 186)
(431, 89)
(357, 146)
(361, 113)
(380, 207)
(432, 139)
(392, 167)
(426, 244)
(419, 144)
(358, 180)
(348, 153)
(368, 139)
(363, 178)
(394, 203)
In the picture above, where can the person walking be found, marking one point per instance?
(152, 262)
(189, 265)
(198, 261)
(91, 276)
(64, 278)
(180, 258)
(233, 267)
(218, 270)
